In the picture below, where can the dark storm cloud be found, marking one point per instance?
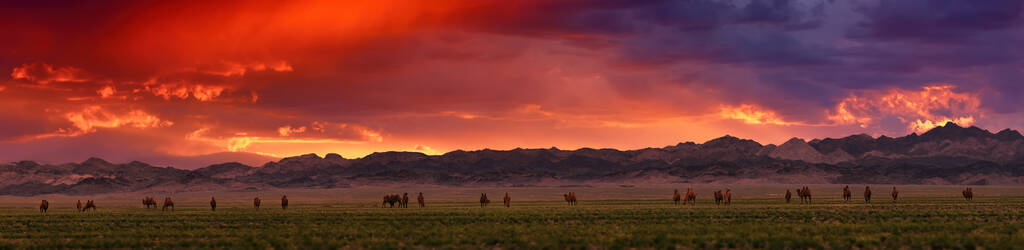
(936, 21)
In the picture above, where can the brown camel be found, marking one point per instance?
(968, 194)
(847, 194)
(718, 197)
(213, 204)
(728, 197)
(43, 206)
(789, 195)
(895, 193)
(570, 198)
(168, 203)
(256, 202)
(806, 193)
(867, 194)
(284, 202)
(149, 202)
(405, 200)
(390, 200)
(89, 204)
(420, 200)
(484, 200)
(690, 197)
(78, 205)
(676, 197)
(507, 200)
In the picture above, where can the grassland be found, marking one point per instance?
(929, 217)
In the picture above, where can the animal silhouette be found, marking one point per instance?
(284, 202)
(89, 204)
(805, 194)
(484, 200)
(847, 194)
(420, 200)
(213, 204)
(718, 197)
(390, 200)
(968, 194)
(168, 203)
(867, 194)
(789, 195)
(728, 197)
(405, 200)
(78, 206)
(507, 200)
(570, 198)
(256, 202)
(676, 197)
(149, 202)
(43, 206)
(690, 197)
(895, 193)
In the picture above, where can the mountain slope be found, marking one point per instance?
(945, 155)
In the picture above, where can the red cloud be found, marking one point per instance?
(43, 73)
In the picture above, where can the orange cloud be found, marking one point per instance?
(288, 130)
(751, 114)
(325, 133)
(95, 117)
(43, 73)
(183, 91)
(921, 109)
(106, 91)
(239, 69)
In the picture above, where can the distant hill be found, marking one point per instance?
(944, 155)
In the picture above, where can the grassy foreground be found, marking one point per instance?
(934, 222)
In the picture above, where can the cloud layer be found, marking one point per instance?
(354, 77)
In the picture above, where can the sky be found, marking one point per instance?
(190, 83)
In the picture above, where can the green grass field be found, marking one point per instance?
(932, 219)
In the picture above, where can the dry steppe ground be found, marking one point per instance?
(608, 216)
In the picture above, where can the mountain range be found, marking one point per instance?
(945, 155)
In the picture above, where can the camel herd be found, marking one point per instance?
(402, 201)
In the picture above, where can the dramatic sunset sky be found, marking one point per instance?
(193, 83)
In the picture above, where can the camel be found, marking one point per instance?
(570, 198)
(895, 194)
(867, 194)
(213, 204)
(168, 203)
(43, 206)
(690, 197)
(284, 202)
(420, 200)
(968, 194)
(89, 204)
(676, 197)
(78, 205)
(507, 200)
(728, 197)
(405, 200)
(256, 202)
(807, 192)
(484, 200)
(390, 200)
(847, 194)
(149, 202)
(718, 197)
(789, 195)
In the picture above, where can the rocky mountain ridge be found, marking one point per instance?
(944, 155)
